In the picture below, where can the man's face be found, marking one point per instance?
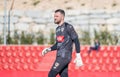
(58, 17)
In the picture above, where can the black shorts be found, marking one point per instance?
(60, 64)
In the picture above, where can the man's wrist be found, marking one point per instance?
(78, 55)
(49, 49)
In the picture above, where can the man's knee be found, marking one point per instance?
(52, 73)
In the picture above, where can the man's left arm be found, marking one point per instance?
(74, 37)
(78, 59)
(77, 45)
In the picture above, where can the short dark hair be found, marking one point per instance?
(61, 11)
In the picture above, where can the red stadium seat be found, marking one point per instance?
(8, 54)
(118, 48)
(22, 60)
(117, 54)
(14, 54)
(97, 68)
(86, 61)
(90, 68)
(84, 68)
(115, 48)
(103, 48)
(17, 60)
(111, 54)
(84, 55)
(11, 66)
(3, 60)
(28, 58)
(18, 67)
(36, 60)
(34, 54)
(25, 67)
(85, 48)
(107, 60)
(94, 61)
(27, 54)
(21, 54)
(105, 54)
(115, 60)
(10, 60)
(1, 48)
(100, 60)
(32, 67)
(103, 68)
(32, 48)
(6, 67)
(2, 54)
(117, 67)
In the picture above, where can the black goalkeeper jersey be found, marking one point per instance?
(65, 34)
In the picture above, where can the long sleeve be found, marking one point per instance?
(77, 45)
(54, 47)
(72, 33)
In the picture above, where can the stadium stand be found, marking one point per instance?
(26, 61)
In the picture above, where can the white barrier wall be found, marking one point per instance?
(37, 20)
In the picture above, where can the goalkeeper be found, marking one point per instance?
(65, 36)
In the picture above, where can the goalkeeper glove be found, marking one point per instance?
(78, 60)
(46, 50)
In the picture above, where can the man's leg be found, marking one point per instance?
(89, 51)
(59, 65)
(64, 72)
(54, 70)
(91, 48)
(52, 73)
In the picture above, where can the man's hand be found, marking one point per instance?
(78, 60)
(46, 50)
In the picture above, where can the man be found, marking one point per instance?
(95, 47)
(65, 36)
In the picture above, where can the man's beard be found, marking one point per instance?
(56, 22)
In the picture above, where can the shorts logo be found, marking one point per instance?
(56, 65)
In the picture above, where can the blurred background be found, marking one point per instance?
(31, 21)
(27, 27)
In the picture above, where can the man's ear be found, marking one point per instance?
(62, 17)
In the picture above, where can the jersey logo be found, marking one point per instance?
(60, 38)
(62, 29)
(58, 30)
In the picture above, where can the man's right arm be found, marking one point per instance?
(54, 47)
(46, 50)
